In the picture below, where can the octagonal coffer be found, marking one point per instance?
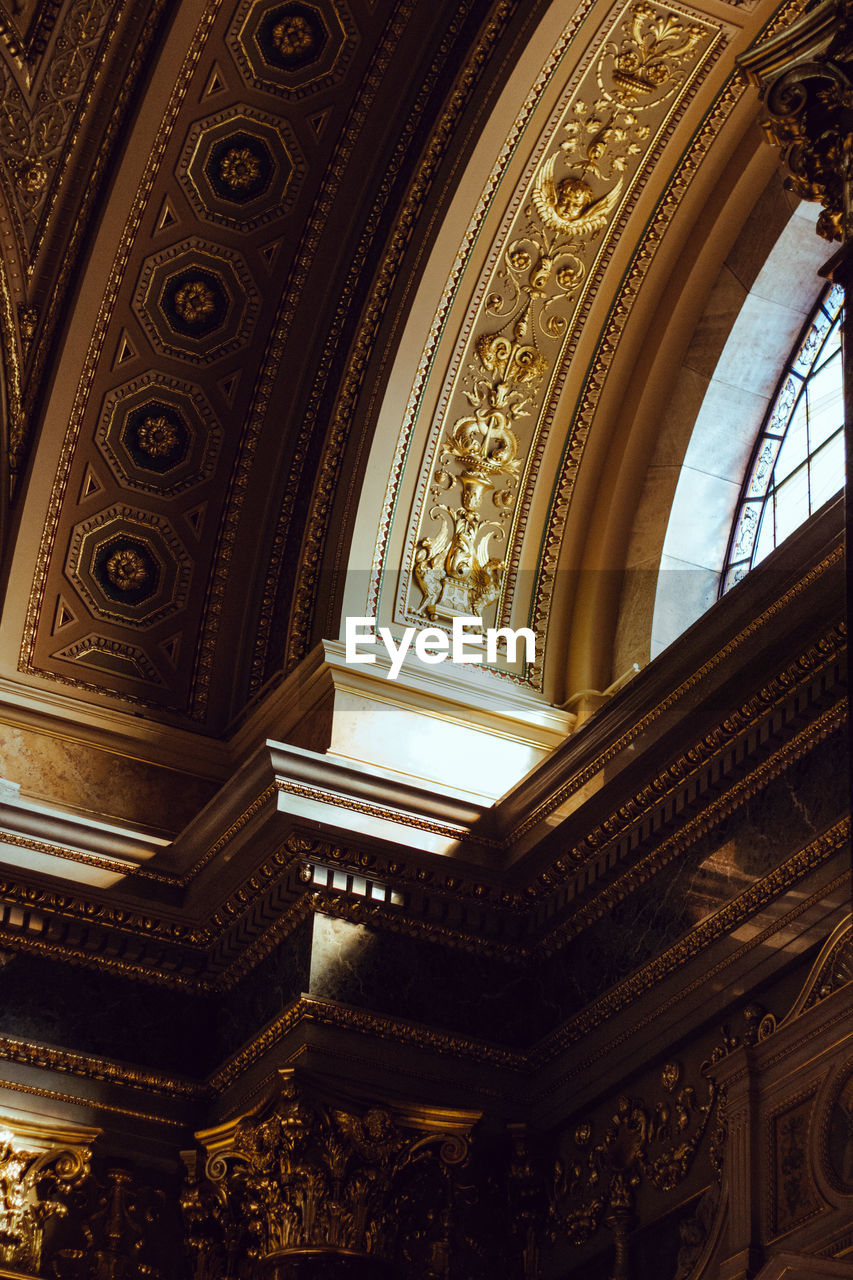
(129, 565)
(295, 47)
(242, 168)
(159, 435)
(197, 301)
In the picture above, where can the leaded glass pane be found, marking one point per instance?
(825, 402)
(798, 460)
(795, 446)
(827, 471)
(791, 507)
(767, 533)
(747, 531)
(782, 408)
(764, 464)
(805, 357)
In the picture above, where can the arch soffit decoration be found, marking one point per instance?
(523, 283)
(568, 224)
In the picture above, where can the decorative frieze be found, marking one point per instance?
(473, 508)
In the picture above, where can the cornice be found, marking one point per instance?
(525, 1065)
(721, 922)
(717, 974)
(235, 881)
(108, 1108)
(659, 702)
(617, 890)
(90, 1067)
(215, 955)
(526, 932)
(364, 1022)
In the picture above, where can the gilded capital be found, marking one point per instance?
(40, 1167)
(805, 76)
(302, 1175)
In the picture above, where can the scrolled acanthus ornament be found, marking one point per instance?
(471, 516)
(597, 1177)
(39, 1171)
(119, 1220)
(805, 76)
(298, 1173)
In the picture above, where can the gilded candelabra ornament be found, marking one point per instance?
(301, 1174)
(573, 197)
(805, 75)
(528, 1202)
(594, 1181)
(119, 1224)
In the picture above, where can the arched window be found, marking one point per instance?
(798, 461)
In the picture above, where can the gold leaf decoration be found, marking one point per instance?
(573, 198)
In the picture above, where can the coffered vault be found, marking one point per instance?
(202, 277)
(326, 309)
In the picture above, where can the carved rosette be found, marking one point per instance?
(805, 75)
(298, 1174)
(571, 200)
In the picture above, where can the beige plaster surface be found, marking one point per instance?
(720, 394)
(81, 778)
(682, 590)
(712, 332)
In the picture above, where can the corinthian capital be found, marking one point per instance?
(805, 76)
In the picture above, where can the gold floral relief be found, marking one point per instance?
(607, 127)
(793, 1197)
(654, 1144)
(34, 131)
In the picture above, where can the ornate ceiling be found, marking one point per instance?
(217, 225)
(204, 243)
(313, 308)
